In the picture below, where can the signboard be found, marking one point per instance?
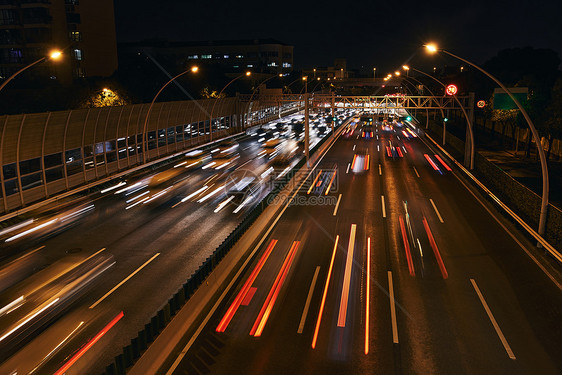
(503, 101)
(451, 89)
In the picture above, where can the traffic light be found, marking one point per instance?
(445, 119)
(334, 118)
(409, 118)
(370, 120)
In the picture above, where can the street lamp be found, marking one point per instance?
(53, 55)
(406, 68)
(432, 48)
(469, 123)
(246, 74)
(193, 69)
(374, 73)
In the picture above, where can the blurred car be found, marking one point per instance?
(225, 155)
(195, 159)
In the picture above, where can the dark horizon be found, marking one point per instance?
(369, 35)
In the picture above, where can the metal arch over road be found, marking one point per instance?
(369, 102)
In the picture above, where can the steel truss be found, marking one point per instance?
(368, 102)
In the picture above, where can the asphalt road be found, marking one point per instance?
(149, 250)
(362, 284)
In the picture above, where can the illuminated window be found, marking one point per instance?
(272, 64)
(75, 36)
(193, 57)
(286, 65)
(206, 56)
(77, 54)
(250, 65)
(239, 56)
(226, 56)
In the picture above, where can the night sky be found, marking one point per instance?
(369, 34)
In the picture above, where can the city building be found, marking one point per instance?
(259, 55)
(83, 29)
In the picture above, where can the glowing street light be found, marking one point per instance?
(53, 55)
(432, 48)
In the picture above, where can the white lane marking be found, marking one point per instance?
(124, 281)
(337, 205)
(348, 165)
(378, 147)
(417, 174)
(347, 278)
(354, 147)
(380, 170)
(493, 320)
(436, 210)
(383, 206)
(308, 298)
(392, 309)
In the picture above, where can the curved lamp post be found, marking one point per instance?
(193, 69)
(256, 89)
(469, 123)
(54, 55)
(246, 74)
(432, 48)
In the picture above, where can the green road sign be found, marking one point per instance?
(503, 101)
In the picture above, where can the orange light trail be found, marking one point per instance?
(242, 294)
(367, 298)
(89, 344)
(442, 162)
(428, 158)
(353, 163)
(407, 247)
(366, 164)
(314, 182)
(435, 249)
(388, 151)
(317, 328)
(260, 322)
(330, 184)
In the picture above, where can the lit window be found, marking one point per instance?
(250, 65)
(286, 65)
(236, 66)
(206, 56)
(77, 54)
(239, 56)
(193, 57)
(75, 36)
(272, 64)
(226, 56)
